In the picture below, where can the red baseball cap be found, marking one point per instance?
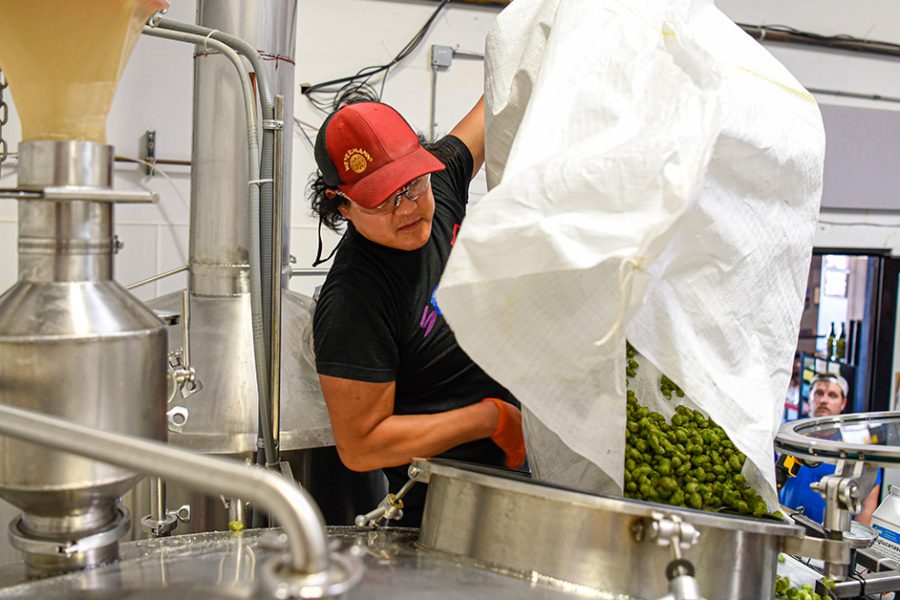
(368, 151)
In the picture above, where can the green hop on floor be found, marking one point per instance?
(784, 590)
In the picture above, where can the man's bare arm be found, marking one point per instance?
(369, 436)
(471, 131)
(868, 506)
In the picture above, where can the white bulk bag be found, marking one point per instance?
(655, 175)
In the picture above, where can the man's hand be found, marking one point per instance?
(508, 433)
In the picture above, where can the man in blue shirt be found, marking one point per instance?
(828, 396)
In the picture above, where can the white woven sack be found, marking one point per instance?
(656, 175)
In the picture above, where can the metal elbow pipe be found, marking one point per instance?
(288, 503)
(241, 46)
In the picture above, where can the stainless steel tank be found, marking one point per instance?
(73, 344)
(599, 542)
(219, 238)
(223, 415)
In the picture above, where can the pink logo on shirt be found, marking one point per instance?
(430, 314)
(429, 318)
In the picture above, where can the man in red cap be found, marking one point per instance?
(396, 383)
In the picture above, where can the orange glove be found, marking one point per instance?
(508, 434)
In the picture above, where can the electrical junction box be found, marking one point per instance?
(441, 57)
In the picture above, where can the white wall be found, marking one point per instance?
(371, 33)
(843, 71)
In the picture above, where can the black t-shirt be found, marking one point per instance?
(377, 321)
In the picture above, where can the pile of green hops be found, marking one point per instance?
(689, 462)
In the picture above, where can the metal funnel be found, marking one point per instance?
(63, 60)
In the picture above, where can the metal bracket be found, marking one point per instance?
(273, 124)
(843, 499)
(168, 317)
(836, 551)
(157, 17)
(868, 585)
(284, 467)
(666, 530)
(874, 561)
(415, 471)
(148, 151)
(841, 494)
(674, 532)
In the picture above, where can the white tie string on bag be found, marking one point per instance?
(650, 133)
(625, 280)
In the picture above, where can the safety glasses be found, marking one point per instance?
(414, 190)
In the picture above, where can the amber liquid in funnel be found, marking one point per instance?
(63, 60)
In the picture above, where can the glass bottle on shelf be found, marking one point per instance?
(829, 343)
(840, 344)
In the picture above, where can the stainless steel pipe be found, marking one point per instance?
(157, 277)
(266, 34)
(158, 510)
(288, 503)
(274, 408)
(65, 241)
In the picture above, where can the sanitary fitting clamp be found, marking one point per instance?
(390, 508)
(182, 376)
(163, 527)
(673, 532)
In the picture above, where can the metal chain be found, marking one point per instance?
(4, 118)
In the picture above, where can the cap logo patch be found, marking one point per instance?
(357, 160)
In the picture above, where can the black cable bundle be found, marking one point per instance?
(837, 42)
(328, 96)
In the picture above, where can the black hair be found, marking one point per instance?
(327, 209)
